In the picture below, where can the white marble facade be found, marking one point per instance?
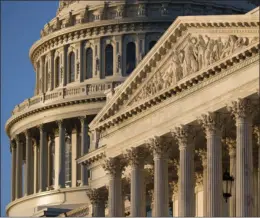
(156, 143)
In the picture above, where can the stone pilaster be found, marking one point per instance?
(35, 166)
(18, 175)
(60, 155)
(136, 157)
(159, 146)
(257, 134)
(185, 136)
(98, 198)
(114, 167)
(118, 55)
(28, 169)
(211, 124)
(202, 153)
(13, 175)
(43, 159)
(97, 61)
(84, 148)
(242, 111)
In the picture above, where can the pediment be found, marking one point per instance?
(190, 47)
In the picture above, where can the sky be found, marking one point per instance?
(21, 22)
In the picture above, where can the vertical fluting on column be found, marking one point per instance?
(18, 176)
(84, 149)
(202, 153)
(98, 198)
(136, 156)
(211, 124)
(185, 136)
(43, 159)
(13, 176)
(114, 167)
(231, 146)
(242, 110)
(257, 134)
(74, 156)
(28, 171)
(61, 155)
(159, 146)
(50, 161)
(35, 167)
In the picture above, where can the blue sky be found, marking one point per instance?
(21, 24)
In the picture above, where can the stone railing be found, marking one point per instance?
(65, 93)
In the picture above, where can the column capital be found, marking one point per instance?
(242, 108)
(199, 179)
(82, 119)
(27, 133)
(158, 145)
(97, 195)
(17, 139)
(202, 153)
(12, 146)
(184, 135)
(231, 146)
(211, 122)
(175, 187)
(41, 127)
(136, 156)
(176, 166)
(257, 134)
(114, 165)
(60, 123)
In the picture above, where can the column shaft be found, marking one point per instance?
(74, 156)
(205, 188)
(28, 171)
(84, 149)
(115, 196)
(18, 176)
(244, 168)
(98, 209)
(232, 201)
(61, 155)
(43, 160)
(35, 169)
(13, 176)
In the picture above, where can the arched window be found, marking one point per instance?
(130, 57)
(71, 67)
(151, 44)
(57, 72)
(68, 161)
(89, 63)
(109, 60)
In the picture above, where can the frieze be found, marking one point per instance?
(198, 53)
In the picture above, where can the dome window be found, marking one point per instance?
(130, 57)
(109, 60)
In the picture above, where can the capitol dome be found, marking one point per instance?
(84, 53)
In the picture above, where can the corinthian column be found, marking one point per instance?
(241, 110)
(257, 134)
(98, 199)
(211, 124)
(50, 160)
(185, 138)
(202, 153)
(28, 171)
(18, 176)
(35, 167)
(136, 158)
(13, 178)
(160, 147)
(43, 159)
(114, 167)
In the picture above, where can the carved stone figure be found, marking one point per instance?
(190, 59)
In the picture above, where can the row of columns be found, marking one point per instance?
(38, 161)
(241, 157)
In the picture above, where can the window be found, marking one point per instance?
(151, 44)
(71, 67)
(130, 57)
(57, 72)
(68, 161)
(109, 60)
(89, 63)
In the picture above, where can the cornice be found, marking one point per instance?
(171, 36)
(93, 156)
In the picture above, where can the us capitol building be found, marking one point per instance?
(141, 108)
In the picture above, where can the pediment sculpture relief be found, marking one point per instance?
(198, 52)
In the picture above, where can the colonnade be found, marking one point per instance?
(243, 201)
(34, 149)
